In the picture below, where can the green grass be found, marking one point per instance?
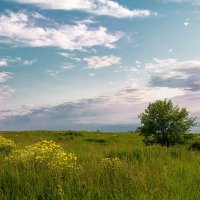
(149, 173)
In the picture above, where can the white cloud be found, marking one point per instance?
(7, 60)
(28, 62)
(5, 91)
(53, 72)
(76, 59)
(67, 66)
(193, 2)
(137, 62)
(92, 74)
(3, 62)
(64, 54)
(165, 65)
(21, 29)
(143, 94)
(172, 63)
(60, 69)
(69, 55)
(170, 50)
(4, 76)
(97, 7)
(98, 62)
(174, 74)
(86, 21)
(186, 23)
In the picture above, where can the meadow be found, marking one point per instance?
(98, 166)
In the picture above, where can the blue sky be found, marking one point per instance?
(96, 64)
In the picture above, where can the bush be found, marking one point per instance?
(195, 146)
(6, 145)
(73, 133)
(165, 124)
(43, 154)
(96, 140)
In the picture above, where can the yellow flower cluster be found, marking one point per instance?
(43, 154)
(111, 163)
(6, 145)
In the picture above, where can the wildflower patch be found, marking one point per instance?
(43, 154)
(6, 145)
(111, 163)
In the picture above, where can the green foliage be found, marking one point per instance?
(195, 146)
(125, 155)
(96, 140)
(72, 133)
(165, 124)
(124, 169)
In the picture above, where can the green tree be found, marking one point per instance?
(164, 123)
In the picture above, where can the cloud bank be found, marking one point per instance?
(103, 112)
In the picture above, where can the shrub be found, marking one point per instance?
(96, 140)
(165, 124)
(73, 133)
(6, 145)
(195, 146)
(43, 154)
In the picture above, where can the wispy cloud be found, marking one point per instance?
(69, 55)
(52, 72)
(175, 74)
(92, 74)
(3, 62)
(64, 54)
(98, 62)
(21, 29)
(8, 60)
(194, 2)
(5, 91)
(96, 7)
(186, 23)
(28, 62)
(170, 50)
(59, 69)
(66, 66)
(4, 76)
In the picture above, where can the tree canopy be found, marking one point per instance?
(164, 123)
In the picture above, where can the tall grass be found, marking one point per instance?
(143, 173)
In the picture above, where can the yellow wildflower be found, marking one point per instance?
(44, 154)
(6, 144)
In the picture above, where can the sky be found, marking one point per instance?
(96, 64)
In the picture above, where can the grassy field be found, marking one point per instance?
(108, 166)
